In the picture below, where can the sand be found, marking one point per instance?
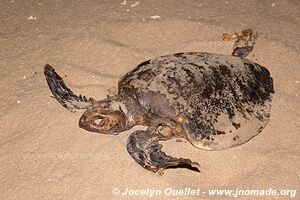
(45, 155)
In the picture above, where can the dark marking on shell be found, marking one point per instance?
(235, 137)
(147, 62)
(178, 54)
(236, 125)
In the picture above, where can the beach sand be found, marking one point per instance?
(45, 155)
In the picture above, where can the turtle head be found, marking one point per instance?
(106, 117)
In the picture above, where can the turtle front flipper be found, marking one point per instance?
(63, 94)
(144, 148)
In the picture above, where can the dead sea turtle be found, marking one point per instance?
(213, 101)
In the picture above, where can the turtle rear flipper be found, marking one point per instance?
(144, 148)
(63, 94)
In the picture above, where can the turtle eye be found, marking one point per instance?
(98, 120)
(104, 122)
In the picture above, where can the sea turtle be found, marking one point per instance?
(213, 101)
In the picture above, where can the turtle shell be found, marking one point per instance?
(221, 101)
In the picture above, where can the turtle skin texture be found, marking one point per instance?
(213, 101)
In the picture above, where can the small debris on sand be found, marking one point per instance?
(135, 4)
(243, 41)
(31, 18)
(155, 17)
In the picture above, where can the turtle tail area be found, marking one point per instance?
(63, 94)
